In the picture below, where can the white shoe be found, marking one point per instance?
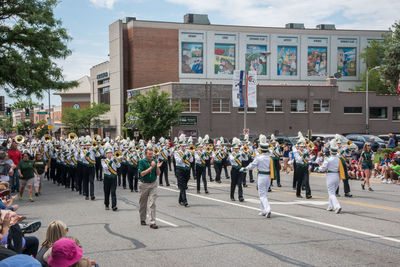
(338, 210)
(389, 182)
(329, 209)
(383, 182)
(262, 214)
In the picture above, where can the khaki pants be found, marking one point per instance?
(148, 194)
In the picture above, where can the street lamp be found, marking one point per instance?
(366, 101)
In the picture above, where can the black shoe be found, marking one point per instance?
(153, 226)
(363, 186)
(198, 191)
(245, 185)
(299, 196)
(136, 190)
(303, 188)
(241, 199)
(80, 192)
(168, 185)
(251, 181)
(37, 194)
(279, 185)
(370, 189)
(232, 198)
(107, 208)
(131, 190)
(211, 180)
(124, 187)
(115, 209)
(219, 181)
(206, 191)
(348, 195)
(143, 222)
(87, 198)
(30, 227)
(309, 196)
(187, 205)
(182, 203)
(269, 190)
(92, 197)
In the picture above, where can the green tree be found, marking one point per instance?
(24, 126)
(6, 124)
(31, 38)
(390, 69)
(27, 103)
(85, 118)
(41, 129)
(153, 113)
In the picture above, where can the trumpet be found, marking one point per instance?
(192, 148)
(47, 138)
(72, 136)
(19, 139)
(118, 155)
(246, 149)
(95, 144)
(156, 151)
(349, 143)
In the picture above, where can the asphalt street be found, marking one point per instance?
(214, 231)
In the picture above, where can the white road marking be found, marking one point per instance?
(294, 217)
(163, 221)
(311, 202)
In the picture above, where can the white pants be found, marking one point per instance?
(263, 184)
(332, 182)
(38, 180)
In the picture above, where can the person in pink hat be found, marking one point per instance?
(64, 253)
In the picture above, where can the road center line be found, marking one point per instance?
(293, 217)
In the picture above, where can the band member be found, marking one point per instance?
(124, 163)
(73, 167)
(207, 157)
(200, 166)
(263, 163)
(183, 161)
(110, 166)
(302, 158)
(163, 157)
(236, 160)
(249, 153)
(88, 161)
(99, 155)
(345, 155)
(276, 154)
(193, 165)
(216, 160)
(335, 170)
(133, 167)
(225, 157)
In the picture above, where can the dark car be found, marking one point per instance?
(361, 139)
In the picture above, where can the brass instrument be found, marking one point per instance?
(95, 144)
(102, 143)
(72, 136)
(95, 137)
(47, 138)
(246, 149)
(310, 144)
(349, 143)
(192, 148)
(19, 139)
(118, 155)
(210, 148)
(156, 151)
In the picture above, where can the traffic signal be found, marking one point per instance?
(8, 111)
(27, 112)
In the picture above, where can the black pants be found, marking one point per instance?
(133, 178)
(174, 163)
(224, 165)
(169, 163)
(201, 174)
(80, 170)
(277, 168)
(294, 174)
(66, 178)
(58, 173)
(72, 177)
(110, 186)
(124, 173)
(164, 173)
(88, 181)
(119, 176)
(245, 164)
(345, 185)
(53, 165)
(218, 169)
(208, 167)
(183, 178)
(193, 167)
(302, 179)
(99, 169)
(236, 180)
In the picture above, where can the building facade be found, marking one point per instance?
(144, 53)
(281, 110)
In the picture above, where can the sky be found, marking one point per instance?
(87, 21)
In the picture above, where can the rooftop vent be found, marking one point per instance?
(294, 26)
(127, 19)
(326, 27)
(196, 19)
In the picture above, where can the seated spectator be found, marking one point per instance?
(374, 145)
(55, 231)
(353, 168)
(6, 167)
(64, 253)
(391, 143)
(16, 241)
(20, 261)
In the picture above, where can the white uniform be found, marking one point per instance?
(262, 162)
(331, 165)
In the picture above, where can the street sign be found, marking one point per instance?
(50, 127)
(136, 133)
(41, 112)
(246, 131)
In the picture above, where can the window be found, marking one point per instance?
(103, 81)
(322, 105)
(352, 110)
(396, 114)
(251, 110)
(221, 105)
(191, 104)
(378, 112)
(274, 105)
(298, 105)
(104, 95)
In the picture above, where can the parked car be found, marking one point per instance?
(361, 139)
(329, 137)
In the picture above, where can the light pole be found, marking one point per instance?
(366, 101)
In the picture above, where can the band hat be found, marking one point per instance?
(182, 140)
(235, 143)
(301, 141)
(338, 139)
(200, 142)
(333, 146)
(273, 139)
(108, 150)
(218, 145)
(263, 143)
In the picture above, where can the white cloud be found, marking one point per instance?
(355, 14)
(104, 3)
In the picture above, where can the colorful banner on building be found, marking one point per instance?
(347, 61)
(224, 58)
(317, 62)
(192, 57)
(237, 89)
(256, 59)
(252, 89)
(287, 60)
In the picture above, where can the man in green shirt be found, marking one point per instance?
(148, 171)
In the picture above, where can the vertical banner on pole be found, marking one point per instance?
(252, 89)
(237, 89)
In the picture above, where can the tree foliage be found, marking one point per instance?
(31, 38)
(24, 126)
(41, 129)
(27, 103)
(6, 124)
(84, 118)
(153, 113)
(390, 68)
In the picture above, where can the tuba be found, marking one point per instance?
(19, 139)
(47, 138)
(72, 136)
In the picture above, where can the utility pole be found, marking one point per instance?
(49, 121)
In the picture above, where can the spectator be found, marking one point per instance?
(55, 231)
(20, 261)
(15, 241)
(6, 169)
(27, 175)
(365, 162)
(15, 155)
(64, 253)
(374, 145)
(391, 143)
(286, 151)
